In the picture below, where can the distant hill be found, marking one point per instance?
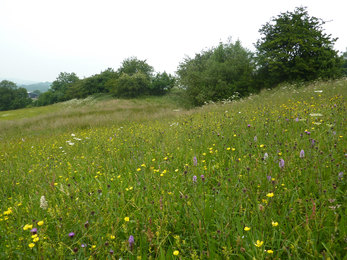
(42, 86)
(20, 81)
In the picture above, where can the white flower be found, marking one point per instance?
(43, 203)
(72, 134)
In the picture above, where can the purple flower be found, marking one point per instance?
(255, 138)
(281, 163)
(111, 252)
(195, 161)
(194, 178)
(249, 125)
(334, 133)
(71, 234)
(302, 154)
(308, 133)
(84, 245)
(34, 231)
(131, 242)
(266, 156)
(297, 119)
(268, 178)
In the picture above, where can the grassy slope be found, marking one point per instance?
(111, 160)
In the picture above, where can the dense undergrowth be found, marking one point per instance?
(258, 178)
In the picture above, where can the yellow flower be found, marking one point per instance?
(34, 236)
(40, 223)
(112, 237)
(31, 245)
(274, 224)
(270, 251)
(247, 229)
(93, 246)
(126, 219)
(36, 239)
(26, 227)
(270, 195)
(259, 243)
(176, 252)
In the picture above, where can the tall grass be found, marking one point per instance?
(258, 178)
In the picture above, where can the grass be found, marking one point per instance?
(133, 179)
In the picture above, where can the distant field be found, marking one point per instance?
(263, 177)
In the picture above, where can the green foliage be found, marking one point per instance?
(161, 84)
(295, 48)
(12, 97)
(91, 85)
(130, 86)
(344, 65)
(217, 73)
(132, 65)
(63, 81)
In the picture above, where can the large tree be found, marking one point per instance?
(217, 73)
(133, 65)
(12, 97)
(294, 47)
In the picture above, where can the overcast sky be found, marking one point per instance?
(41, 38)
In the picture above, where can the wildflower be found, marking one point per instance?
(195, 161)
(112, 237)
(84, 245)
(75, 249)
(259, 243)
(86, 225)
(297, 119)
(176, 252)
(40, 223)
(36, 239)
(274, 224)
(255, 138)
(126, 219)
(26, 227)
(302, 154)
(270, 195)
(281, 163)
(34, 231)
(31, 245)
(266, 156)
(268, 178)
(249, 125)
(247, 229)
(270, 251)
(71, 234)
(111, 252)
(43, 202)
(131, 242)
(202, 177)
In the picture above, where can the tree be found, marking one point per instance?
(62, 83)
(132, 65)
(217, 73)
(130, 86)
(294, 47)
(12, 97)
(344, 64)
(161, 83)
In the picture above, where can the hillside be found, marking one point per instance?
(258, 178)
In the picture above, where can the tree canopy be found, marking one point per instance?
(294, 47)
(12, 97)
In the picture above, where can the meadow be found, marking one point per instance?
(261, 177)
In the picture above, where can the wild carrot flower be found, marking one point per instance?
(302, 154)
(43, 203)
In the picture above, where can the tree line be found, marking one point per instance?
(293, 48)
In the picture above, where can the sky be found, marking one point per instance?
(41, 38)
